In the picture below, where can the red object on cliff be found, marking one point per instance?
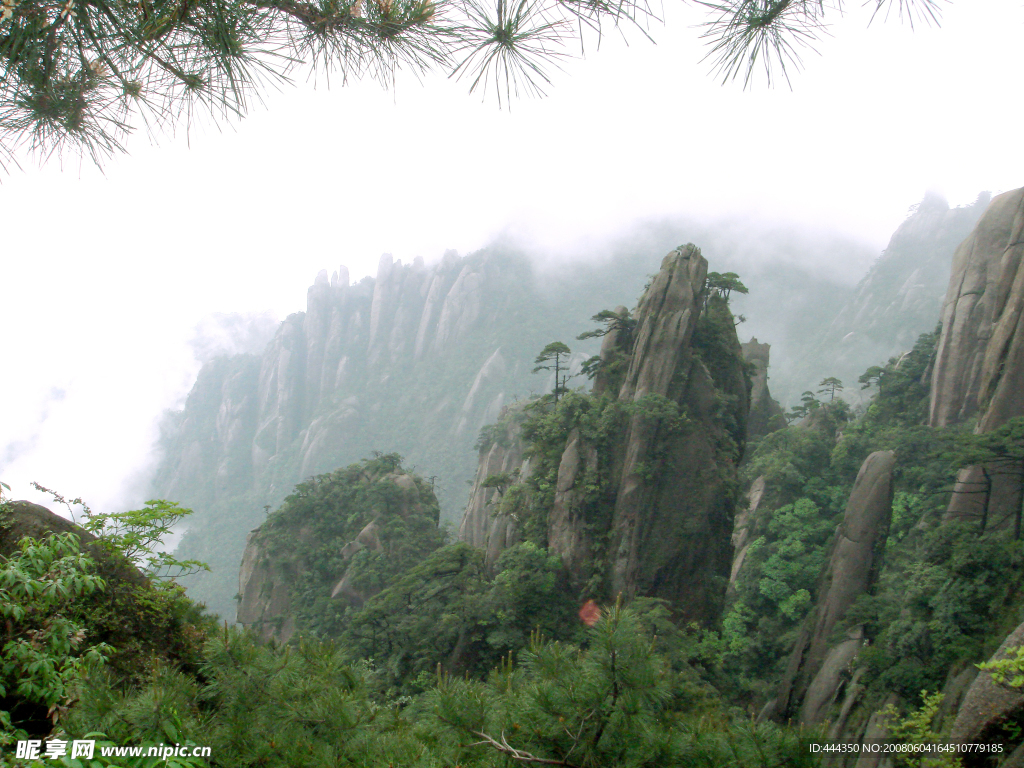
(590, 613)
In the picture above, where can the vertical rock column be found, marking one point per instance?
(666, 318)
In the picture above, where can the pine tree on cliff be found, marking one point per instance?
(723, 285)
(829, 387)
(551, 359)
(79, 73)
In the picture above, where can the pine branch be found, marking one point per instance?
(516, 754)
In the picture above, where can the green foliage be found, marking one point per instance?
(329, 511)
(609, 702)
(808, 403)
(722, 285)
(916, 729)
(82, 73)
(613, 700)
(450, 610)
(600, 422)
(774, 592)
(621, 323)
(1009, 670)
(42, 650)
(829, 386)
(942, 589)
(137, 534)
(792, 460)
(935, 604)
(613, 365)
(555, 357)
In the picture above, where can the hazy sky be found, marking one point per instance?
(106, 275)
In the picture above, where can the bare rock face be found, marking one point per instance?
(265, 593)
(568, 532)
(816, 664)
(980, 347)
(979, 368)
(670, 532)
(741, 527)
(766, 415)
(989, 704)
(484, 524)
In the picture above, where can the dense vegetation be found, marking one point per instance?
(437, 659)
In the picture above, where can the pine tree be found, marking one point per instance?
(82, 74)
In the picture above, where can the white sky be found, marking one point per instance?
(105, 275)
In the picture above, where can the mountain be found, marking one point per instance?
(417, 359)
(414, 361)
(898, 299)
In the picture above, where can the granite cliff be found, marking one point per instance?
(635, 485)
(979, 366)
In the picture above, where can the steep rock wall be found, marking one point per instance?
(979, 317)
(989, 705)
(979, 367)
(670, 533)
(485, 524)
(766, 415)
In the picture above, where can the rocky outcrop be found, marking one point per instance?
(989, 705)
(264, 590)
(741, 530)
(817, 664)
(979, 367)
(766, 415)
(655, 497)
(501, 465)
(277, 554)
(657, 523)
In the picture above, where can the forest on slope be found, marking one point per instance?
(643, 581)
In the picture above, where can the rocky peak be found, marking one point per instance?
(662, 513)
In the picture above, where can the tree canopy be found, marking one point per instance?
(82, 74)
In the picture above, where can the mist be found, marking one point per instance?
(119, 282)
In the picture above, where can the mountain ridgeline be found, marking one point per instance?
(415, 361)
(898, 299)
(838, 574)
